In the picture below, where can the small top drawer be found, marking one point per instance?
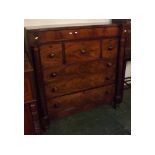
(82, 51)
(51, 55)
(76, 33)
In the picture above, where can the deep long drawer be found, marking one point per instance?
(78, 77)
(65, 105)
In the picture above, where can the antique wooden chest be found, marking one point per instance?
(77, 68)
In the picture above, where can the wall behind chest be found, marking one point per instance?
(46, 22)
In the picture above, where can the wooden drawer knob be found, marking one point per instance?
(110, 48)
(52, 55)
(83, 51)
(55, 106)
(109, 64)
(53, 74)
(54, 89)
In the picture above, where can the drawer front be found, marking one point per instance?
(106, 32)
(55, 74)
(70, 83)
(77, 33)
(62, 106)
(46, 36)
(82, 51)
(109, 49)
(51, 55)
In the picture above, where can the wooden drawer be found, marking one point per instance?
(65, 105)
(47, 36)
(110, 49)
(106, 32)
(51, 55)
(55, 74)
(77, 33)
(92, 75)
(82, 51)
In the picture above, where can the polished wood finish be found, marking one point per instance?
(76, 33)
(106, 32)
(31, 116)
(68, 71)
(81, 78)
(69, 33)
(77, 68)
(127, 28)
(82, 51)
(110, 49)
(40, 88)
(28, 123)
(51, 55)
(69, 104)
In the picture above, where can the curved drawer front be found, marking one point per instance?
(82, 51)
(68, 104)
(51, 55)
(110, 49)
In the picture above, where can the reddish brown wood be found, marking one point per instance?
(110, 49)
(77, 78)
(31, 117)
(27, 88)
(51, 55)
(28, 123)
(40, 88)
(84, 70)
(98, 66)
(82, 51)
(66, 105)
(103, 32)
(76, 33)
(69, 33)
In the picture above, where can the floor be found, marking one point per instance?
(103, 120)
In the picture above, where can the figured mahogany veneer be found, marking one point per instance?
(51, 55)
(77, 68)
(69, 104)
(82, 51)
(47, 35)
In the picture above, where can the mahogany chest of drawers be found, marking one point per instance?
(77, 68)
